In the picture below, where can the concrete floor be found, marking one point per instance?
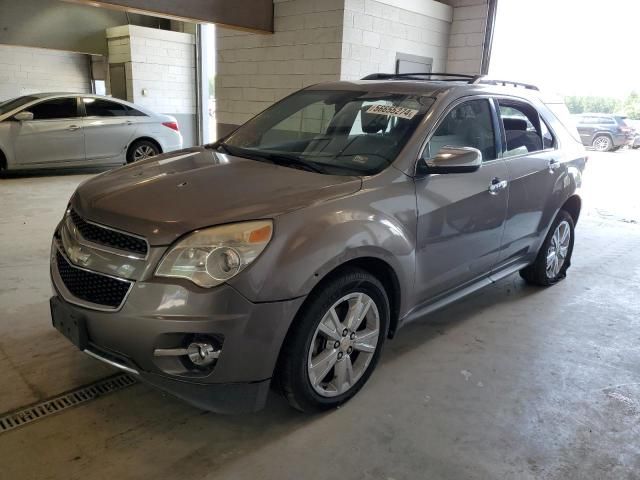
(514, 382)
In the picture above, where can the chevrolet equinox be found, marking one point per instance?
(290, 250)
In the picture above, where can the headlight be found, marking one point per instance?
(212, 256)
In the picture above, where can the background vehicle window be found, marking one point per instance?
(467, 125)
(97, 107)
(547, 137)
(56, 108)
(522, 130)
(132, 112)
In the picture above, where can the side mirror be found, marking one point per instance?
(453, 160)
(23, 116)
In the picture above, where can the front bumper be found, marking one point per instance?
(163, 315)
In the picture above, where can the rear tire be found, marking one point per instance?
(142, 149)
(321, 366)
(554, 257)
(602, 143)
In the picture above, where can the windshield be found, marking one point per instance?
(14, 103)
(336, 132)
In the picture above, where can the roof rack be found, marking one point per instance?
(443, 77)
(449, 77)
(506, 83)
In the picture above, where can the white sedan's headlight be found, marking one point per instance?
(212, 256)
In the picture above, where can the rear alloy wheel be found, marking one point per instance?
(335, 343)
(554, 257)
(141, 150)
(602, 143)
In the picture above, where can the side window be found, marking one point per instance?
(522, 128)
(467, 125)
(56, 108)
(547, 137)
(132, 112)
(97, 107)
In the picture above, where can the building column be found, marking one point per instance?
(159, 72)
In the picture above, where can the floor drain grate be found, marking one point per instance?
(24, 416)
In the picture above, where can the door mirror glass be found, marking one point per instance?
(23, 116)
(452, 159)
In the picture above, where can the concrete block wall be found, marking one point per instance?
(25, 70)
(160, 71)
(322, 40)
(255, 70)
(466, 42)
(375, 31)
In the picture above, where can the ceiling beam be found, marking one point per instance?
(250, 15)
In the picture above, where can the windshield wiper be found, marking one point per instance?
(272, 157)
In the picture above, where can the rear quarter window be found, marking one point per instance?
(561, 112)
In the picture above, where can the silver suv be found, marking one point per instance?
(288, 252)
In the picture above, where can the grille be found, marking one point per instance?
(63, 402)
(91, 287)
(108, 237)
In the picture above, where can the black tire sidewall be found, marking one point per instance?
(296, 381)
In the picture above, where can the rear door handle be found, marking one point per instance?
(553, 164)
(74, 127)
(497, 185)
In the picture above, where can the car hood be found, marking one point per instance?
(167, 196)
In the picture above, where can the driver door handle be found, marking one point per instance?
(497, 185)
(74, 127)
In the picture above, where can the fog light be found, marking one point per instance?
(202, 354)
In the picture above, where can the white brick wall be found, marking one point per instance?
(25, 70)
(375, 31)
(467, 36)
(323, 40)
(160, 63)
(255, 70)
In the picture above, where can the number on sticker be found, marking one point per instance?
(393, 111)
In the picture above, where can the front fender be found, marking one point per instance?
(308, 244)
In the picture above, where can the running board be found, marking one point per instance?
(456, 295)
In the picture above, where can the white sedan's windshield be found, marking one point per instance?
(338, 132)
(14, 103)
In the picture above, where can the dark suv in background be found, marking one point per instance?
(604, 132)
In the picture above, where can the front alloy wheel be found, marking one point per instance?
(343, 344)
(335, 341)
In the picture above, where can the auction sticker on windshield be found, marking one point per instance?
(392, 110)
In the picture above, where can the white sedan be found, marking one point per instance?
(71, 130)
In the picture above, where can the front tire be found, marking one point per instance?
(554, 257)
(141, 149)
(335, 343)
